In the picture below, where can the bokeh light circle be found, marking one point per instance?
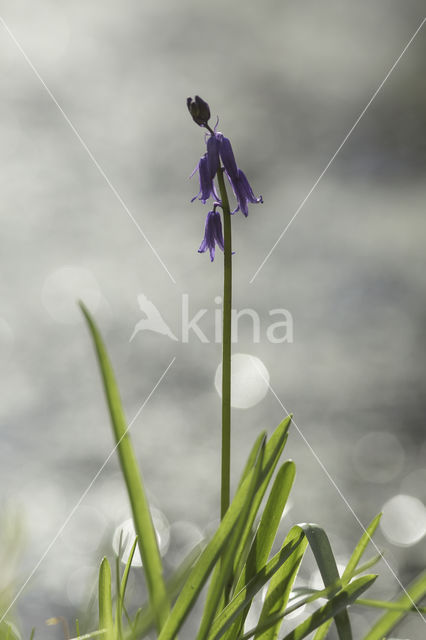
(162, 529)
(249, 380)
(403, 522)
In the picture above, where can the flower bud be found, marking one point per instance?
(199, 110)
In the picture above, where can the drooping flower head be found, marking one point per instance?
(212, 234)
(219, 152)
(239, 183)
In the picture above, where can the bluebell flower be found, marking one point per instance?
(243, 193)
(207, 169)
(219, 148)
(212, 234)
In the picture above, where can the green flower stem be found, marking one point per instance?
(226, 349)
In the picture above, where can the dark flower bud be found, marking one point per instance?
(199, 110)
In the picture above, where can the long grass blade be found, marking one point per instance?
(210, 555)
(265, 535)
(351, 567)
(105, 600)
(121, 586)
(273, 451)
(223, 570)
(144, 619)
(414, 593)
(144, 527)
(337, 603)
(391, 606)
(279, 590)
(254, 453)
(237, 551)
(245, 596)
(321, 548)
(360, 549)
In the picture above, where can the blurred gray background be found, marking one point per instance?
(288, 81)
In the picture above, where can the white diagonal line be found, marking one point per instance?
(84, 494)
(332, 481)
(333, 157)
(86, 148)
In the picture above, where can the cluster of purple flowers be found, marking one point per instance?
(219, 150)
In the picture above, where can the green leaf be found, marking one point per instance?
(144, 527)
(223, 575)
(273, 451)
(414, 593)
(279, 590)
(337, 603)
(205, 563)
(360, 548)
(323, 630)
(368, 564)
(223, 570)
(265, 535)
(121, 586)
(392, 606)
(105, 601)
(92, 634)
(246, 595)
(321, 548)
(144, 619)
(254, 453)
(350, 569)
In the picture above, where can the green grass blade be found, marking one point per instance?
(271, 517)
(144, 527)
(205, 563)
(118, 627)
(253, 456)
(265, 535)
(321, 548)
(323, 630)
(360, 548)
(265, 464)
(337, 603)
(264, 538)
(124, 579)
(105, 601)
(222, 575)
(368, 564)
(273, 451)
(392, 606)
(351, 567)
(279, 590)
(414, 593)
(144, 620)
(245, 596)
(121, 585)
(92, 634)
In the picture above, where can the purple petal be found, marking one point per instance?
(227, 155)
(246, 188)
(217, 224)
(213, 155)
(212, 234)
